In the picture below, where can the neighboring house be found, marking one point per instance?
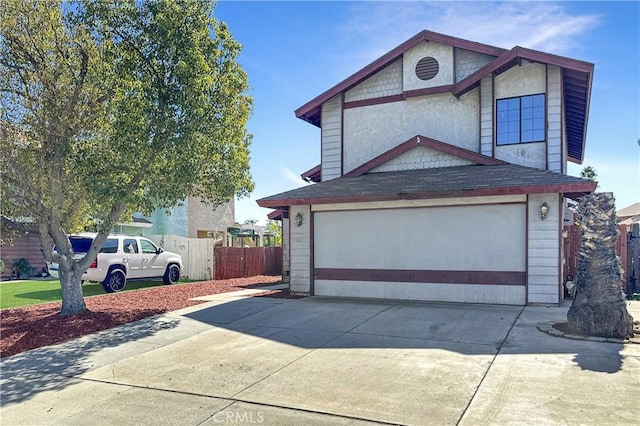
(442, 176)
(629, 215)
(20, 239)
(193, 219)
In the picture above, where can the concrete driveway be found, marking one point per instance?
(238, 360)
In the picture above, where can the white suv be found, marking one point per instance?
(124, 257)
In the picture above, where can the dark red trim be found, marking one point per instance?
(546, 120)
(310, 111)
(526, 251)
(342, 134)
(427, 91)
(423, 276)
(312, 282)
(493, 116)
(314, 174)
(560, 247)
(373, 101)
(512, 58)
(275, 215)
(571, 190)
(428, 143)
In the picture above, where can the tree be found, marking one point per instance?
(110, 108)
(589, 173)
(275, 227)
(599, 307)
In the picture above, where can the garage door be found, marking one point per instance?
(472, 254)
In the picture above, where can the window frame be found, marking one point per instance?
(520, 119)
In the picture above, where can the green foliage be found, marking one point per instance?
(21, 268)
(113, 107)
(30, 292)
(275, 227)
(590, 173)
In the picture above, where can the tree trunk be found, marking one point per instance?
(72, 297)
(599, 308)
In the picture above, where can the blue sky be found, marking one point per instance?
(293, 51)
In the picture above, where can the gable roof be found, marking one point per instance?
(313, 175)
(424, 141)
(629, 211)
(445, 182)
(577, 77)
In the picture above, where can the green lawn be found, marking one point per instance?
(30, 292)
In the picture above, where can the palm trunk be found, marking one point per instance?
(72, 297)
(599, 308)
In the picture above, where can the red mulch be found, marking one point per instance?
(30, 327)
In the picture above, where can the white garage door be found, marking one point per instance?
(472, 254)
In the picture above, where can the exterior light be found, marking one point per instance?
(544, 211)
(299, 219)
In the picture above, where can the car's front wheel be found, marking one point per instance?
(172, 274)
(115, 281)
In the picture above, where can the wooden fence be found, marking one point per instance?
(238, 262)
(572, 250)
(203, 261)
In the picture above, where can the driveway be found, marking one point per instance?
(238, 360)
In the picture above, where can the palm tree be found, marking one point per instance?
(599, 308)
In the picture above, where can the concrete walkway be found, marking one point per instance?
(240, 360)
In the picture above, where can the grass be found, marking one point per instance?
(30, 292)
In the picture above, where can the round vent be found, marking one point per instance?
(427, 68)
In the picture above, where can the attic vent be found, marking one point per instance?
(427, 68)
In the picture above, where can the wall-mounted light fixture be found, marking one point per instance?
(544, 211)
(299, 219)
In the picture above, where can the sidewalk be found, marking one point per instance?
(247, 360)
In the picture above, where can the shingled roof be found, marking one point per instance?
(577, 77)
(461, 181)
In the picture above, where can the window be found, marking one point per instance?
(148, 247)
(110, 246)
(130, 246)
(520, 120)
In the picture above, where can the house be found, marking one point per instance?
(193, 219)
(629, 215)
(442, 176)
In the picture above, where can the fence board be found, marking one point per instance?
(197, 254)
(239, 262)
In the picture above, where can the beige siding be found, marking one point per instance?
(285, 250)
(544, 250)
(554, 119)
(386, 82)
(300, 250)
(331, 136)
(486, 116)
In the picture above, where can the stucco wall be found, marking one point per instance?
(207, 218)
(176, 222)
(440, 52)
(527, 79)
(386, 82)
(331, 137)
(544, 250)
(371, 131)
(300, 250)
(525, 154)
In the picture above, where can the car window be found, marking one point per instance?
(110, 246)
(130, 246)
(80, 244)
(147, 246)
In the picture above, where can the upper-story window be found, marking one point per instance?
(520, 120)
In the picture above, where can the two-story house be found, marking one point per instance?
(442, 176)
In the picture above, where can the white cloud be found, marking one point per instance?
(292, 176)
(377, 27)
